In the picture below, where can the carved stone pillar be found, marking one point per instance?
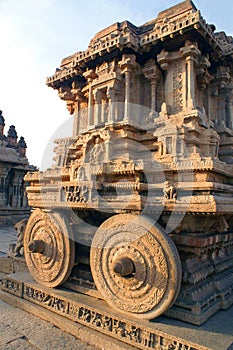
(97, 93)
(153, 73)
(20, 190)
(153, 94)
(107, 154)
(127, 94)
(103, 108)
(174, 87)
(225, 89)
(25, 199)
(14, 203)
(90, 106)
(229, 117)
(79, 97)
(190, 82)
(127, 65)
(76, 121)
(111, 98)
(90, 75)
(163, 60)
(203, 83)
(191, 53)
(230, 104)
(2, 190)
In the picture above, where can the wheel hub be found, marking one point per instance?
(36, 246)
(123, 267)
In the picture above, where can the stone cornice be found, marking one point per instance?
(124, 36)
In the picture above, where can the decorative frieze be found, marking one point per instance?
(125, 330)
(178, 103)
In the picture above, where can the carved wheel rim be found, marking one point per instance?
(53, 266)
(155, 282)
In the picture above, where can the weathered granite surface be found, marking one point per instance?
(137, 208)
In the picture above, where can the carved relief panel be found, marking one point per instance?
(177, 86)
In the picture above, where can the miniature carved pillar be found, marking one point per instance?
(14, 203)
(103, 108)
(153, 73)
(25, 199)
(2, 190)
(107, 154)
(98, 106)
(153, 93)
(76, 121)
(163, 60)
(20, 190)
(90, 75)
(190, 82)
(79, 97)
(90, 104)
(191, 53)
(230, 111)
(127, 94)
(111, 98)
(203, 81)
(223, 79)
(127, 65)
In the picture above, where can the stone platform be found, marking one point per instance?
(74, 310)
(10, 216)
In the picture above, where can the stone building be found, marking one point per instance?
(151, 150)
(13, 166)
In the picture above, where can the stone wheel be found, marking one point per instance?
(49, 248)
(135, 266)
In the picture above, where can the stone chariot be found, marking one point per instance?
(138, 207)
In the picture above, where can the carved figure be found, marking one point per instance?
(169, 191)
(80, 173)
(97, 151)
(20, 228)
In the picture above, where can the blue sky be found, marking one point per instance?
(36, 34)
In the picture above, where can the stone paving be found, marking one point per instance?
(23, 331)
